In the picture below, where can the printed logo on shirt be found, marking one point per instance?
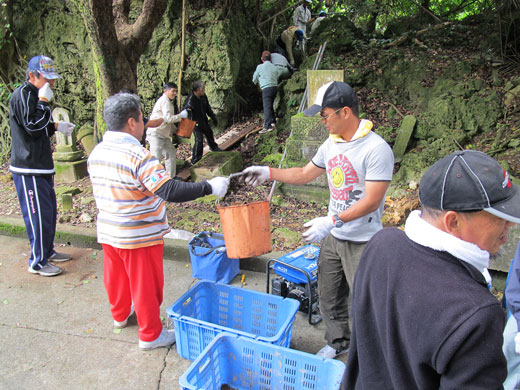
(342, 176)
(156, 177)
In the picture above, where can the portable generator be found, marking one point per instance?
(297, 279)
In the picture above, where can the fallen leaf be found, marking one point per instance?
(116, 330)
(5, 301)
(60, 302)
(85, 281)
(89, 330)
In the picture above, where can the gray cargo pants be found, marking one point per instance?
(337, 265)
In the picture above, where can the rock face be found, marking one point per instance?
(215, 53)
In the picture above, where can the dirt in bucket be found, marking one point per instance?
(240, 193)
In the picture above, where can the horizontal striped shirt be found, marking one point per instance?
(124, 178)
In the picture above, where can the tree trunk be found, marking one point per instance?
(117, 45)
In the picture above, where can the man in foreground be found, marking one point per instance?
(424, 317)
(359, 165)
(31, 164)
(130, 187)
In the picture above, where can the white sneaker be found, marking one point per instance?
(46, 270)
(60, 257)
(165, 339)
(122, 324)
(328, 352)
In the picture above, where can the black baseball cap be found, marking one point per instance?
(470, 180)
(334, 95)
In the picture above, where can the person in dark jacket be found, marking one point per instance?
(31, 162)
(424, 317)
(200, 109)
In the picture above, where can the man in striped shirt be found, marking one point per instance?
(130, 187)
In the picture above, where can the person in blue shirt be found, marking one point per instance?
(266, 76)
(511, 347)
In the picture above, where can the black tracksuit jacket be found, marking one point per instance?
(31, 129)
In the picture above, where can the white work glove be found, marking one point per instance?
(318, 228)
(219, 186)
(517, 343)
(66, 128)
(256, 175)
(184, 114)
(46, 92)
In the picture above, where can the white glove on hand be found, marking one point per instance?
(517, 343)
(184, 114)
(318, 228)
(46, 92)
(256, 175)
(66, 128)
(219, 186)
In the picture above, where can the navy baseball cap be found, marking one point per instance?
(470, 180)
(334, 94)
(45, 66)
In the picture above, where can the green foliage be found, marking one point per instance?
(272, 160)
(384, 12)
(5, 133)
(5, 25)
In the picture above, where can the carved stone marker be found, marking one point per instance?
(317, 78)
(403, 136)
(69, 162)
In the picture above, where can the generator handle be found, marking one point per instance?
(270, 264)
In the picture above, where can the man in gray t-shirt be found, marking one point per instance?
(359, 165)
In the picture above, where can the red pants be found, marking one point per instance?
(135, 275)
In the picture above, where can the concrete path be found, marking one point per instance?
(56, 333)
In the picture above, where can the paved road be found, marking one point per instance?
(56, 333)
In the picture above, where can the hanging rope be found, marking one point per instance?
(181, 65)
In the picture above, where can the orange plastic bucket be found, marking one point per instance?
(185, 128)
(246, 229)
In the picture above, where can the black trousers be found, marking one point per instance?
(38, 203)
(199, 132)
(268, 96)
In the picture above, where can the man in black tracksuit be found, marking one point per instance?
(424, 317)
(31, 162)
(198, 103)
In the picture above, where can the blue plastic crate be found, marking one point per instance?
(304, 258)
(242, 363)
(209, 308)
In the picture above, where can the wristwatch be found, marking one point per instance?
(337, 221)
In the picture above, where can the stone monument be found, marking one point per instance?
(69, 162)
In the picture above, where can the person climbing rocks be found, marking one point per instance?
(266, 76)
(287, 40)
